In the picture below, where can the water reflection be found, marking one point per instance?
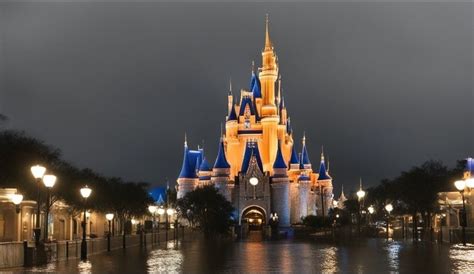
(462, 257)
(222, 256)
(84, 267)
(393, 251)
(329, 260)
(165, 260)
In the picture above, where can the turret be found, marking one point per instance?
(281, 189)
(230, 99)
(268, 75)
(188, 179)
(204, 173)
(342, 199)
(221, 171)
(323, 174)
(294, 160)
(304, 155)
(279, 166)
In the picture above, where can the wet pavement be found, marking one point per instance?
(196, 255)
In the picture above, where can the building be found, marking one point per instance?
(451, 205)
(258, 167)
(64, 223)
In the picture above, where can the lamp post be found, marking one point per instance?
(371, 210)
(49, 181)
(160, 211)
(461, 185)
(254, 182)
(38, 172)
(85, 193)
(360, 196)
(152, 210)
(109, 217)
(389, 209)
(169, 212)
(16, 200)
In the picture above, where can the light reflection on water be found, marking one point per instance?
(200, 256)
(393, 251)
(167, 260)
(329, 260)
(84, 267)
(462, 257)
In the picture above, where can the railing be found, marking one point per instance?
(11, 254)
(17, 254)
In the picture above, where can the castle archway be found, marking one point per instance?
(254, 217)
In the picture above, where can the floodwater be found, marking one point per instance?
(196, 255)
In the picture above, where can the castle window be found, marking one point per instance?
(247, 123)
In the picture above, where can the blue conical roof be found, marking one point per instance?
(304, 177)
(188, 169)
(251, 149)
(304, 154)
(246, 100)
(470, 166)
(323, 175)
(255, 86)
(204, 165)
(232, 114)
(221, 161)
(279, 161)
(294, 156)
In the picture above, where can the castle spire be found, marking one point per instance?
(279, 161)
(230, 86)
(221, 161)
(185, 140)
(268, 43)
(322, 153)
(304, 154)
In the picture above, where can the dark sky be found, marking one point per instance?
(115, 85)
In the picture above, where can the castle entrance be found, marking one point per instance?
(253, 218)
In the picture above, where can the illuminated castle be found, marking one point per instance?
(258, 167)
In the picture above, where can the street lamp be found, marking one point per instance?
(38, 172)
(160, 211)
(16, 200)
(85, 193)
(109, 217)
(360, 196)
(371, 210)
(389, 209)
(461, 185)
(254, 182)
(152, 210)
(49, 181)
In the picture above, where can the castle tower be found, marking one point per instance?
(221, 171)
(188, 179)
(324, 184)
(342, 199)
(204, 173)
(304, 187)
(281, 190)
(268, 75)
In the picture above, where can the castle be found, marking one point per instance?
(258, 167)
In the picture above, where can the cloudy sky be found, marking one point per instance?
(115, 85)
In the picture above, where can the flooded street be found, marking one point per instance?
(200, 256)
